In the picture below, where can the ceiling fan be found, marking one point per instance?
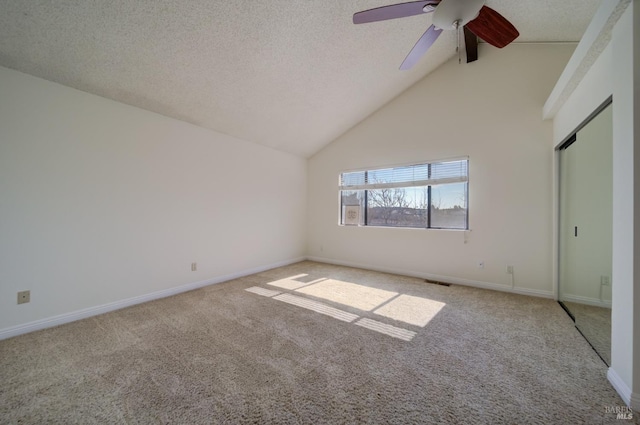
(477, 20)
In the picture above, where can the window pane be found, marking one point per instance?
(352, 179)
(429, 195)
(352, 203)
(449, 206)
(443, 170)
(397, 207)
(399, 174)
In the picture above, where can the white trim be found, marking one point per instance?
(408, 229)
(439, 278)
(411, 183)
(623, 390)
(585, 300)
(555, 266)
(404, 164)
(635, 401)
(117, 305)
(593, 42)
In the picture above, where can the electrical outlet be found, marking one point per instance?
(509, 269)
(24, 297)
(194, 267)
(604, 281)
(481, 264)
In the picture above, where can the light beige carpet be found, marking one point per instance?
(317, 344)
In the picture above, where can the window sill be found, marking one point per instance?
(405, 228)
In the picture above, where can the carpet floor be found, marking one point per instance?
(312, 343)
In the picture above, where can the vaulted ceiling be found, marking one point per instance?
(289, 74)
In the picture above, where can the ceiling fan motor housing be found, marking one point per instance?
(451, 14)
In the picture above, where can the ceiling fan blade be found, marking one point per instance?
(471, 45)
(421, 47)
(393, 11)
(493, 28)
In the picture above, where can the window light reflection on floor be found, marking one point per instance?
(359, 296)
(317, 307)
(294, 282)
(416, 311)
(393, 331)
(413, 310)
(262, 291)
(384, 328)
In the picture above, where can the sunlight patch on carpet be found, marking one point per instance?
(412, 310)
(346, 293)
(294, 282)
(386, 329)
(262, 291)
(317, 307)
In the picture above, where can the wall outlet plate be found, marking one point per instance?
(24, 297)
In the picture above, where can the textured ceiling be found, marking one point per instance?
(289, 74)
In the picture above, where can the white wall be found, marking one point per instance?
(101, 202)
(625, 317)
(617, 72)
(634, 138)
(594, 89)
(489, 110)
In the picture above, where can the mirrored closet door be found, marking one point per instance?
(586, 204)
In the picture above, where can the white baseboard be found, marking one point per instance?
(117, 305)
(439, 278)
(621, 387)
(586, 300)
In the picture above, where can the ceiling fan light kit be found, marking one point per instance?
(429, 8)
(478, 21)
(451, 14)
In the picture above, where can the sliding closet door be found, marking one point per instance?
(586, 186)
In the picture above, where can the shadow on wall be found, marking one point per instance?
(408, 309)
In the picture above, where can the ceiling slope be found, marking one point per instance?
(292, 75)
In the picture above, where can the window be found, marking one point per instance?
(430, 195)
